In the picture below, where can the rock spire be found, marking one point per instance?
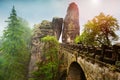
(71, 27)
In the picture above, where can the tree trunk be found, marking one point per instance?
(108, 41)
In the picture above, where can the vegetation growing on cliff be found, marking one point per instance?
(14, 54)
(100, 30)
(48, 67)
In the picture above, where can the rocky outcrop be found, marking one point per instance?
(40, 31)
(71, 24)
(57, 26)
(46, 28)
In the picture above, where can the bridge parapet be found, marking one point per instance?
(97, 70)
(107, 54)
(92, 61)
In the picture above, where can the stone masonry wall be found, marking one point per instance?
(97, 71)
(93, 69)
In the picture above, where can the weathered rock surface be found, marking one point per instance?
(71, 24)
(46, 28)
(40, 31)
(57, 27)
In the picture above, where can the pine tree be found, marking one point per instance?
(14, 49)
(12, 36)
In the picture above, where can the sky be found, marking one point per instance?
(34, 11)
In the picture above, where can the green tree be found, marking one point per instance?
(101, 30)
(14, 49)
(85, 38)
(48, 68)
(12, 36)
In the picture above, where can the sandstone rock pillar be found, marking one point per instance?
(57, 27)
(71, 24)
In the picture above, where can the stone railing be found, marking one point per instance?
(107, 54)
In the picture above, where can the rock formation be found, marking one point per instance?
(54, 28)
(57, 27)
(71, 24)
(46, 28)
(40, 31)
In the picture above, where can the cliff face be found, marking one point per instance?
(40, 31)
(71, 24)
(57, 27)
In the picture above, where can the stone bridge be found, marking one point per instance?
(77, 62)
(82, 64)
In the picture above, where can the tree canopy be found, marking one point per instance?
(100, 30)
(48, 68)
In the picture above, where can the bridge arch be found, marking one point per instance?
(75, 72)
